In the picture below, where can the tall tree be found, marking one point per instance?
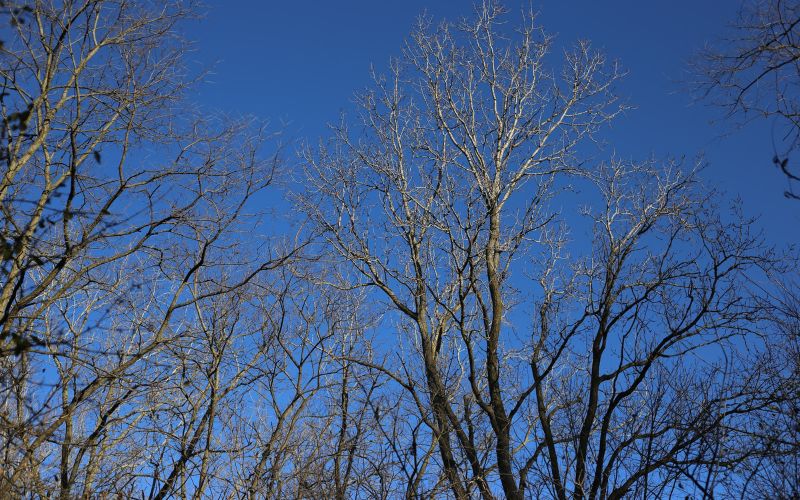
(540, 366)
(122, 261)
(470, 309)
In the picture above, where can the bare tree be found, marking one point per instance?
(538, 366)
(150, 346)
(442, 329)
(123, 258)
(756, 74)
(773, 468)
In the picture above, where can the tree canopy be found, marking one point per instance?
(462, 293)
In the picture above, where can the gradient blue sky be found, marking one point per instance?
(300, 62)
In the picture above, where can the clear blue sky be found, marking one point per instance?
(301, 61)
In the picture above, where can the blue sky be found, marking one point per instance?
(300, 63)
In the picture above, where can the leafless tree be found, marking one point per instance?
(123, 258)
(773, 468)
(537, 365)
(150, 346)
(438, 327)
(755, 73)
